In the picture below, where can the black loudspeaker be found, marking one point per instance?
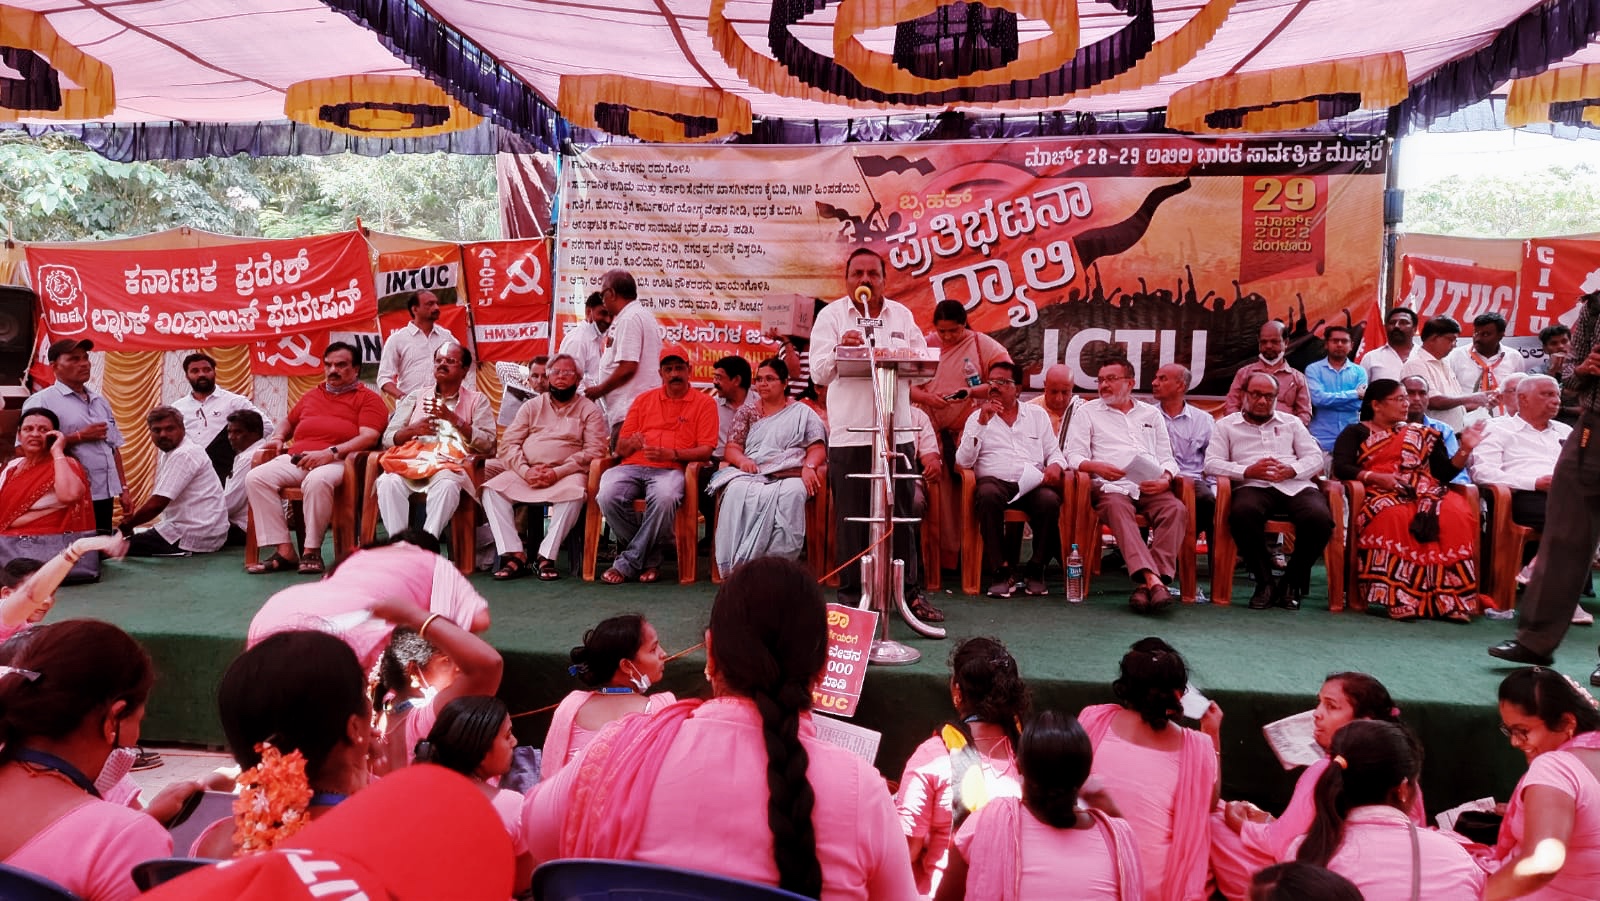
(17, 317)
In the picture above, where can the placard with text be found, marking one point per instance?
(849, 644)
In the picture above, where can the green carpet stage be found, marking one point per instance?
(1259, 665)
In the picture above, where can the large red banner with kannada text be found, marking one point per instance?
(180, 298)
(1460, 290)
(1556, 273)
(508, 286)
(1058, 248)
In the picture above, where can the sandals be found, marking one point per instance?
(277, 563)
(511, 567)
(547, 570)
(613, 577)
(649, 575)
(311, 563)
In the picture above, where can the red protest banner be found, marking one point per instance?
(849, 642)
(180, 298)
(452, 318)
(1283, 235)
(1434, 287)
(1556, 272)
(508, 286)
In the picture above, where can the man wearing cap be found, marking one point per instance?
(631, 343)
(87, 427)
(407, 360)
(666, 427)
(187, 496)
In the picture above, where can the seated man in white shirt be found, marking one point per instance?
(1107, 437)
(245, 436)
(187, 496)
(1012, 450)
(1272, 458)
(1520, 452)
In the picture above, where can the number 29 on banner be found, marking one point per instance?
(1285, 195)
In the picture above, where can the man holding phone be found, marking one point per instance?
(87, 427)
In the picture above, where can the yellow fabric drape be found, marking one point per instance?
(1167, 56)
(879, 70)
(233, 369)
(300, 384)
(131, 383)
(1528, 102)
(304, 100)
(1380, 80)
(648, 102)
(95, 95)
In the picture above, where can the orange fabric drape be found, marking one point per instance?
(649, 102)
(131, 383)
(1528, 102)
(1380, 80)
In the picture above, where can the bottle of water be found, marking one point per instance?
(969, 370)
(1074, 576)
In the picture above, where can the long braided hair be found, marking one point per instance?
(768, 643)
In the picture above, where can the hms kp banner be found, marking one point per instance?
(1168, 248)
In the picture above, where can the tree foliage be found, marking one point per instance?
(1560, 200)
(55, 189)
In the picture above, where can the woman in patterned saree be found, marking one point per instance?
(1415, 554)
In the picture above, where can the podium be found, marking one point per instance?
(882, 576)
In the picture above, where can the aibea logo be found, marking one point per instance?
(66, 307)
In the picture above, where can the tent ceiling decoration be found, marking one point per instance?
(809, 70)
(651, 111)
(43, 76)
(394, 106)
(1290, 99)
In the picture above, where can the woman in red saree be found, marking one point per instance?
(43, 491)
(1415, 556)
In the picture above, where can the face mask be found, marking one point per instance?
(427, 691)
(1270, 362)
(562, 395)
(641, 682)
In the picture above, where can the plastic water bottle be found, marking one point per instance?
(1074, 577)
(969, 370)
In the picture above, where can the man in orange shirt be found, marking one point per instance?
(666, 427)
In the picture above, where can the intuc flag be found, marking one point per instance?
(508, 287)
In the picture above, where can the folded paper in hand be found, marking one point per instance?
(1142, 468)
(1294, 740)
(1194, 703)
(1030, 479)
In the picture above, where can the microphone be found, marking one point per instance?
(863, 294)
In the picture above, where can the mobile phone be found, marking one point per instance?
(50, 441)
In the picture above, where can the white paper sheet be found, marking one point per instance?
(858, 740)
(1194, 703)
(1142, 468)
(1030, 479)
(1293, 740)
(1447, 818)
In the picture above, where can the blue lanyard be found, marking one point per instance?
(48, 761)
(616, 690)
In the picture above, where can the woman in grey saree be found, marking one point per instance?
(774, 449)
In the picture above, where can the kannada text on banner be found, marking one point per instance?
(1174, 248)
(179, 298)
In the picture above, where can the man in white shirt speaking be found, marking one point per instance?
(1012, 450)
(187, 496)
(1272, 458)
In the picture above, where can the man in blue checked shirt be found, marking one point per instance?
(1337, 384)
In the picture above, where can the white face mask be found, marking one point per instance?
(1272, 362)
(641, 682)
(427, 691)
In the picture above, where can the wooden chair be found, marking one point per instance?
(343, 523)
(686, 526)
(1225, 553)
(816, 549)
(463, 543)
(1087, 535)
(1356, 495)
(1500, 558)
(972, 541)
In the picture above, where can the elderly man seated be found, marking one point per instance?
(1018, 465)
(1520, 452)
(665, 428)
(187, 496)
(337, 418)
(1110, 438)
(1272, 457)
(546, 452)
(432, 432)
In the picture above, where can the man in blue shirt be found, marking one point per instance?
(87, 427)
(1337, 384)
(1417, 394)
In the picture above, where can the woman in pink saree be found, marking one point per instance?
(619, 660)
(1160, 775)
(1046, 846)
(1549, 846)
(739, 785)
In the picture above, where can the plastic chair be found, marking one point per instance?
(462, 541)
(342, 525)
(1225, 553)
(686, 524)
(21, 885)
(1356, 493)
(815, 552)
(1088, 528)
(972, 541)
(152, 873)
(1501, 558)
(599, 880)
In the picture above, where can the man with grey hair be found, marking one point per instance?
(1520, 453)
(1058, 400)
(187, 496)
(633, 344)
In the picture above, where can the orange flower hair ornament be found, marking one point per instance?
(273, 798)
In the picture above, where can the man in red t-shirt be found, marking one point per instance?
(337, 418)
(666, 427)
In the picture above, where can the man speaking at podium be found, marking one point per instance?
(864, 315)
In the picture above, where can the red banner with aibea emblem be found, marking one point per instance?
(180, 298)
(509, 290)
